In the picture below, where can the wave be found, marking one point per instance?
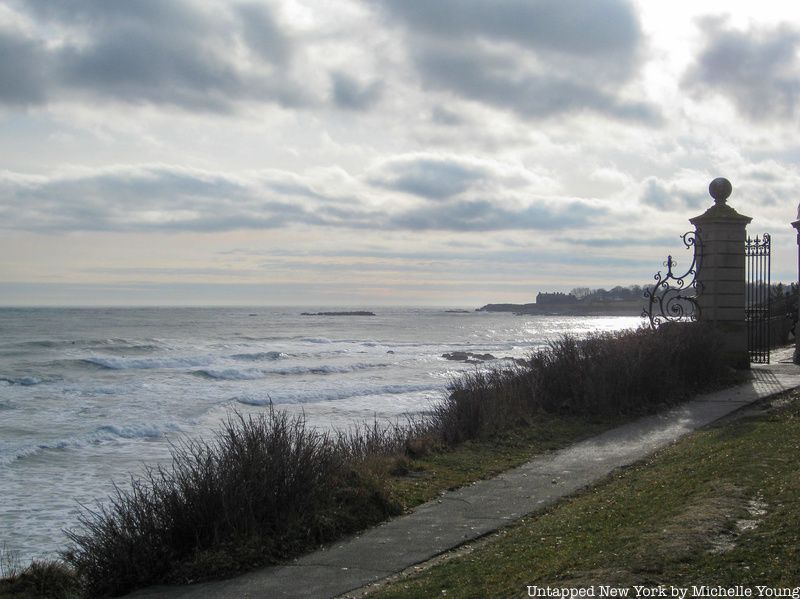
(145, 363)
(235, 374)
(100, 435)
(133, 431)
(107, 344)
(142, 348)
(319, 396)
(326, 369)
(23, 381)
(230, 374)
(259, 356)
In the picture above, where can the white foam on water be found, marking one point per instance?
(147, 363)
(259, 356)
(231, 374)
(322, 395)
(102, 434)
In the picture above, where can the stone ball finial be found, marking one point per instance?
(720, 189)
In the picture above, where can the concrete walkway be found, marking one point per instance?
(464, 515)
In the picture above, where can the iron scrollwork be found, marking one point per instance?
(674, 298)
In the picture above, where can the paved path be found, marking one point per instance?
(463, 515)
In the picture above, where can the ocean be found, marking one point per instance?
(89, 396)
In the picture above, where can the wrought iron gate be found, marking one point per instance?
(673, 297)
(757, 297)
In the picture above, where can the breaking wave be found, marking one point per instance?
(259, 356)
(235, 374)
(23, 381)
(102, 434)
(145, 363)
(326, 395)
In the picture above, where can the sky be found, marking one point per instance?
(383, 152)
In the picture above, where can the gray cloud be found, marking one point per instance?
(485, 215)
(146, 198)
(622, 241)
(758, 70)
(136, 62)
(444, 116)
(665, 196)
(176, 53)
(349, 94)
(496, 80)
(264, 35)
(167, 198)
(23, 69)
(428, 176)
(535, 58)
(562, 26)
(441, 176)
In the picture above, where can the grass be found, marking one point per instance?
(414, 481)
(267, 488)
(42, 580)
(721, 507)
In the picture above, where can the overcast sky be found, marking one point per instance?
(449, 152)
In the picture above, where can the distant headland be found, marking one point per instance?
(581, 301)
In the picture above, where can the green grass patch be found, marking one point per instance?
(413, 481)
(721, 507)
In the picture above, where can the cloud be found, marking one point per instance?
(673, 196)
(263, 34)
(444, 116)
(757, 69)
(169, 198)
(23, 69)
(349, 94)
(148, 197)
(537, 59)
(199, 57)
(428, 176)
(495, 215)
(441, 176)
(569, 27)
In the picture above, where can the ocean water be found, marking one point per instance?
(89, 396)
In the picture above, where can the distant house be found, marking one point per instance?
(550, 299)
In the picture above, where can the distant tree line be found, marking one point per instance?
(615, 294)
(780, 294)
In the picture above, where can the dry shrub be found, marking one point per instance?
(606, 374)
(263, 489)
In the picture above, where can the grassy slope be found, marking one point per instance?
(720, 507)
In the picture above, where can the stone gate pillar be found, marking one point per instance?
(721, 271)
